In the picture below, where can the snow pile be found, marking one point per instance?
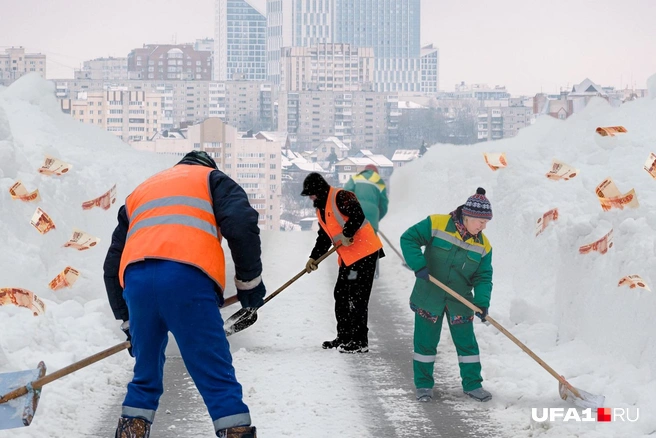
(565, 305)
(78, 321)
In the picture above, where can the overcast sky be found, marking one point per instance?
(527, 45)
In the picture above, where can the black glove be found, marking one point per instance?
(126, 329)
(252, 297)
(422, 273)
(482, 314)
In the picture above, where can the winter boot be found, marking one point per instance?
(479, 394)
(335, 343)
(424, 394)
(132, 428)
(354, 347)
(237, 432)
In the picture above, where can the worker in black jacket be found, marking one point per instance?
(343, 224)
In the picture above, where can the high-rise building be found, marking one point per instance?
(15, 63)
(240, 43)
(338, 67)
(430, 63)
(392, 28)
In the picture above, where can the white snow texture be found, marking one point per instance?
(565, 306)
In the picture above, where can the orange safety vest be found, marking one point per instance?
(171, 218)
(365, 241)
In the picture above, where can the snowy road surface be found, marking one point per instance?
(378, 384)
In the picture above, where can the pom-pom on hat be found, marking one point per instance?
(478, 206)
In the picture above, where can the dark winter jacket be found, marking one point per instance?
(236, 219)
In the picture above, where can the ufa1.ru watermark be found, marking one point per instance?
(572, 414)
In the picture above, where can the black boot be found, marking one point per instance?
(354, 347)
(132, 428)
(237, 432)
(335, 343)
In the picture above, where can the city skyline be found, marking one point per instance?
(525, 46)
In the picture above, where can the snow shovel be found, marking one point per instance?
(247, 316)
(394, 249)
(25, 388)
(567, 391)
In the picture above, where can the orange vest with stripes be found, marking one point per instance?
(365, 241)
(171, 218)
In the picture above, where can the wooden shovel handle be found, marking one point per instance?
(38, 383)
(510, 336)
(300, 274)
(233, 299)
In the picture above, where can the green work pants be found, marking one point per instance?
(426, 338)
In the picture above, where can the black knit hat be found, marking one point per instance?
(478, 206)
(199, 157)
(314, 184)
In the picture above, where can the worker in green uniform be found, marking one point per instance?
(458, 254)
(371, 191)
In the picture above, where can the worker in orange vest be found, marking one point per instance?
(342, 222)
(165, 271)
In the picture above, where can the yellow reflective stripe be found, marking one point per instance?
(424, 358)
(188, 201)
(474, 247)
(174, 219)
(375, 180)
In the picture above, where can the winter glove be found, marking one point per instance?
(249, 295)
(482, 314)
(422, 273)
(126, 329)
(346, 241)
(311, 265)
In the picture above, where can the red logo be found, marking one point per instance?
(604, 414)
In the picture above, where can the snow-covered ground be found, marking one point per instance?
(565, 306)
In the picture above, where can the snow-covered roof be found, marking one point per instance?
(406, 104)
(377, 160)
(337, 142)
(272, 136)
(405, 154)
(307, 166)
(587, 87)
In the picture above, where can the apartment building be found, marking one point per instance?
(495, 123)
(15, 63)
(244, 104)
(331, 67)
(130, 115)
(253, 161)
(358, 119)
(103, 69)
(430, 67)
(240, 41)
(170, 62)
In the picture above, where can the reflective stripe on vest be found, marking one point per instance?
(374, 181)
(439, 223)
(171, 218)
(365, 240)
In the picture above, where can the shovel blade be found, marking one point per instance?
(19, 411)
(241, 320)
(586, 399)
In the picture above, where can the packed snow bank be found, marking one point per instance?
(289, 389)
(565, 305)
(78, 321)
